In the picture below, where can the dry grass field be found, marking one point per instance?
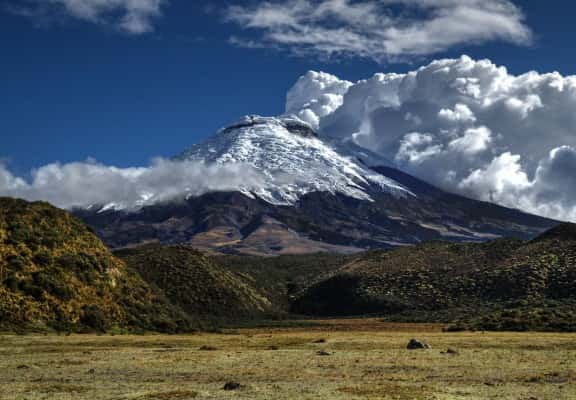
(363, 359)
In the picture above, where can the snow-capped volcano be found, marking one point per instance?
(294, 161)
(271, 185)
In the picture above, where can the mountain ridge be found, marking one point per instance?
(316, 195)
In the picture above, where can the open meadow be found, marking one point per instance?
(335, 359)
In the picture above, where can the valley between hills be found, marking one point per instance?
(58, 276)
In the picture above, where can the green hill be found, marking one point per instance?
(280, 277)
(504, 284)
(196, 284)
(56, 274)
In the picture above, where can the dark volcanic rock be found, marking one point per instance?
(415, 344)
(451, 351)
(232, 386)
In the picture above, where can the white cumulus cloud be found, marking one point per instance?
(81, 184)
(316, 95)
(466, 125)
(382, 30)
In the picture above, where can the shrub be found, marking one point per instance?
(42, 258)
(31, 289)
(53, 282)
(16, 263)
(94, 318)
(11, 283)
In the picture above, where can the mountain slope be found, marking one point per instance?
(503, 284)
(280, 277)
(55, 273)
(196, 284)
(315, 196)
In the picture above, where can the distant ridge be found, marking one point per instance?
(564, 231)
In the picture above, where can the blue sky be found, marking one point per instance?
(72, 89)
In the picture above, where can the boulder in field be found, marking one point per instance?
(415, 344)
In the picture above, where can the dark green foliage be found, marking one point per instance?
(547, 316)
(32, 290)
(16, 262)
(43, 258)
(54, 283)
(195, 283)
(500, 285)
(11, 282)
(430, 276)
(282, 277)
(55, 273)
(93, 318)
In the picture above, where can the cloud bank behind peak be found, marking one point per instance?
(467, 126)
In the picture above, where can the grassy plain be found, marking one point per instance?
(367, 360)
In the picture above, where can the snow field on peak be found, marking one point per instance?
(292, 165)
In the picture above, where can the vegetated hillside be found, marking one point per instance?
(504, 284)
(281, 277)
(425, 276)
(196, 284)
(56, 274)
